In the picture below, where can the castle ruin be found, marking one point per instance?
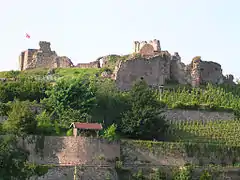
(157, 67)
(42, 58)
(147, 48)
(148, 61)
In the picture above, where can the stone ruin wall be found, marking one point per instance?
(94, 64)
(139, 45)
(151, 65)
(42, 58)
(69, 150)
(156, 69)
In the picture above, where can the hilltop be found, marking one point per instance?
(187, 128)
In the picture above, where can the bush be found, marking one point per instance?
(110, 133)
(70, 132)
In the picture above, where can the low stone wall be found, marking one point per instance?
(83, 173)
(68, 151)
(189, 115)
(149, 153)
(183, 115)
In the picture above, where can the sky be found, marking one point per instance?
(84, 30)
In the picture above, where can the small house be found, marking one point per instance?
(86, 129)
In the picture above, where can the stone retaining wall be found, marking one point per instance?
(83, 173)
(67, 151)
(189, 115)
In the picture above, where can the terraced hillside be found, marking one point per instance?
(218, 132)
(196, 142)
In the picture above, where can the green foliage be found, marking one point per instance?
(213, 98)
(209, 150)
(184, 173)
(69, 99)
(220, 132)
(144, 118)
(108, 176)
(110, 102)
(13, 160)
(70, 132)
(139, 175)
(4, 108)
(21, 120)
(79, 72)
(158, 175)
(119, 165)
(44, 123)
(110, 133)
(11, 74)
(23, 89)
(39, 170)
(205, 176)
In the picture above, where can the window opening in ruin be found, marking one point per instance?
(216, 69)
(201, 69)
(141, 78)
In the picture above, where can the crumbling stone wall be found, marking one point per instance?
(179, 72)
(211, 72)
(205, 72)
(154, 70)
(94, 64)
(42, 58)
(139, 45)
(67, 151)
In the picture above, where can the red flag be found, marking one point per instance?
(27, 35)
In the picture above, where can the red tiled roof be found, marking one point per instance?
(94, 126)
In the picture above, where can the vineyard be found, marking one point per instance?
(218, 132)
(210, 97)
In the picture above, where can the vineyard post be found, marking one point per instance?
(160, 91)
(75, 172)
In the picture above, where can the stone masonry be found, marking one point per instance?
(154, 70)
(42, 58)
(156, 67)
(148, 61)
(69, 150)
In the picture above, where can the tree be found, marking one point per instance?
(31, 89)
(21, 120)
(145, 117)
(23, 89)
(110, 102)
(72, 97)
(44, 123)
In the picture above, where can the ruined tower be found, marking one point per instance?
(43, 57)
(153, 45)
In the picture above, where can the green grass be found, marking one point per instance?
(76, 71)
(59, 71)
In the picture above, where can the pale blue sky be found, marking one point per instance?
(83, 30)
